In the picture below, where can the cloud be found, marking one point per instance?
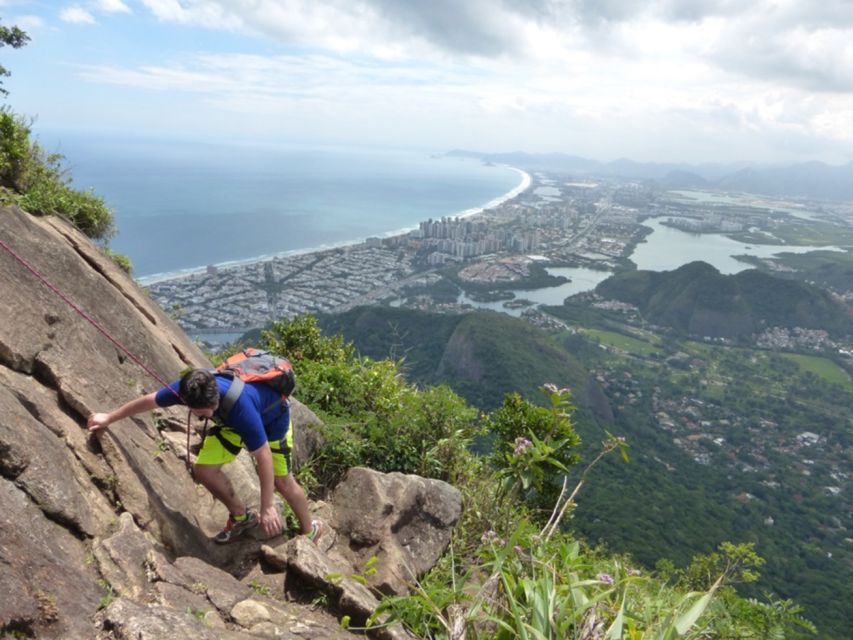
(112, 6)
(207, 13)
(79, 14)
(795, 42)
(700, 78)
(76, 14)
(816, 58)
(383, 28)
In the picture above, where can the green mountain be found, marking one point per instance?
(714, 445)
(697, 299)
(827, 269)
(482, 355)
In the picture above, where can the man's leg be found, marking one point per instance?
(286, 484)
(214, 480)
(295, 496)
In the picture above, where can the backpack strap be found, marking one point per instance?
(230, 398)
(233, 394)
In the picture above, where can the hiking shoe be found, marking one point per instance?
(316, 531)
(234, 529)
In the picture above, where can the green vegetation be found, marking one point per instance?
(828, 269)
(714, 429)
(800, 232)
(696, 299)
(35, 180)
(373, 416)
(515, 568)
(485, 354)
(11, 37)
(621, 341)
(122, 261)
(822, 367)
(259, 588)
(538, 278)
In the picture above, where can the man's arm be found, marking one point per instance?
(270, 519)
(145, 403)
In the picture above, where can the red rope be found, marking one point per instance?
(85, 315)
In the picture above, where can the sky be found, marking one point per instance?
(695, 81)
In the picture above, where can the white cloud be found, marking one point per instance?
(76, 14)
(112, 6)
(699, 79)
(200, 12)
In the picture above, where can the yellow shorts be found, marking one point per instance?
(221, 446)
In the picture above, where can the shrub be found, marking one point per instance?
(37, 182)
(301, 339)
(534, 446)
(373, 416)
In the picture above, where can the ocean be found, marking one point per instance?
(182, 205)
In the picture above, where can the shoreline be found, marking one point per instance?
(521, 187)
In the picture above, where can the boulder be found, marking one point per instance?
(405, 521)
(309, 567)
(127, 620)
(122, 559)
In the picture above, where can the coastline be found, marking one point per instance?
(526, 181)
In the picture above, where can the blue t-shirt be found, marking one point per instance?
(251, 416)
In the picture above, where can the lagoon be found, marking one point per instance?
(664, 249)
(667, 249)
(581, 279)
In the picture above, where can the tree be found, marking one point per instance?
(15, 38)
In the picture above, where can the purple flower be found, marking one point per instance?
(606, 578)
(521, 445)
(488, 537)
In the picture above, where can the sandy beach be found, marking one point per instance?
(526, 181)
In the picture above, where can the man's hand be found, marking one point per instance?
(270, 522)
(98, 421)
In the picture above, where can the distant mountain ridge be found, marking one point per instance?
(697, 299)
(807, 179)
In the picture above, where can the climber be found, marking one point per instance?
(250, 424)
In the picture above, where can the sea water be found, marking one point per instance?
(182, 205)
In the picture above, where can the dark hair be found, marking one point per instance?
(198, 389)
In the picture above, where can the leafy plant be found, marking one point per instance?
(108, 597)
(373, 416)
(260, 589)
(36, 181)
(534, 446)
(12, 37)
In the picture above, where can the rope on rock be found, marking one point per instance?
(106, 334)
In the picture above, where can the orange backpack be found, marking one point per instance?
(254, 365)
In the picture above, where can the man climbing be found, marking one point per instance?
(259, 420)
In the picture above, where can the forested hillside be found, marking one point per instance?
(697, 299)
(715, 435)
(484, 355)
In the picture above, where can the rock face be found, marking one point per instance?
(106, 535)
(403, 521)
